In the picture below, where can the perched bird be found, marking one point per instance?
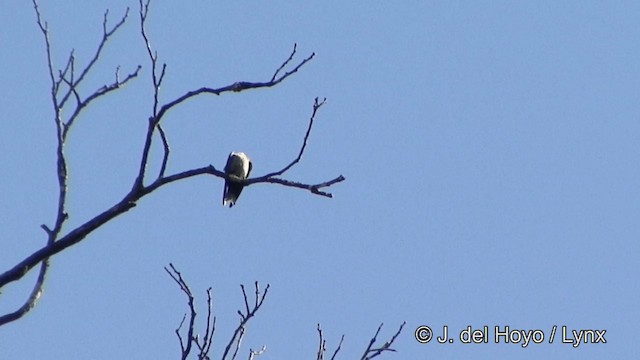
(238, 165)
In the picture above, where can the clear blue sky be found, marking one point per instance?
(491, 150)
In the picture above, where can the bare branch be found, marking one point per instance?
(61, 215)
(105, 89)
(244, 319)
(316, 105)
(238, 343)
(211, 328)
(246, 303)
(165, 145)
(338, 348)
(36, 292)
(62, 129)
(44, 28)
(322, 345)
(285, 63)
(62, 75)
(211, 170)
(106, 34)
(186, 345)
(235, 87)
(254, 353)
(177, 331)
(186, 342)
(371, 353)
(156, 82)
(32, 299)
(153, 55)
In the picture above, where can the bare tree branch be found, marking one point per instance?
(211, 328)
(106, 34)
(371, 353)
(32, 299)
(185, 346)
(205, 346)
(322, 345)
(255, 353)
(167, 150)
(338, 348)
(244, 319)
(237, 86)
(285, 63)
(153, 56)
(316, 105)
(81, 104)
(61, 131)
(36, 292)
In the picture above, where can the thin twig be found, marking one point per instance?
(211, 328)
(105, 89)
(165, 146)
(106, 34)
(177, 331)
(186, 345)
(156, 82)
(235, 87)
(370, 353)
(321, 344)
(316, 105)
(238, 334)
(285, 63)
(333, 357)
(254, 353)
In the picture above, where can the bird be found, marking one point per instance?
(238, 165)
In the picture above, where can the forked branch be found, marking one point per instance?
(370, 352)
(373, 351)
(68, 78)
(322, 345)
(250, 311)
(186, 343)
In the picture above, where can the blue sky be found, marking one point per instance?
(490, 150)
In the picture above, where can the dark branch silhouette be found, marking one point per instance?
(65, 85)
(369, 353)
(372, 352)
(322, 345)
(250, 310)
(67, 78)
(204, 345)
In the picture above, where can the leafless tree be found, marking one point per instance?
(188, 336)
(66, 98)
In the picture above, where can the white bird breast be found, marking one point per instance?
(239, 165)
